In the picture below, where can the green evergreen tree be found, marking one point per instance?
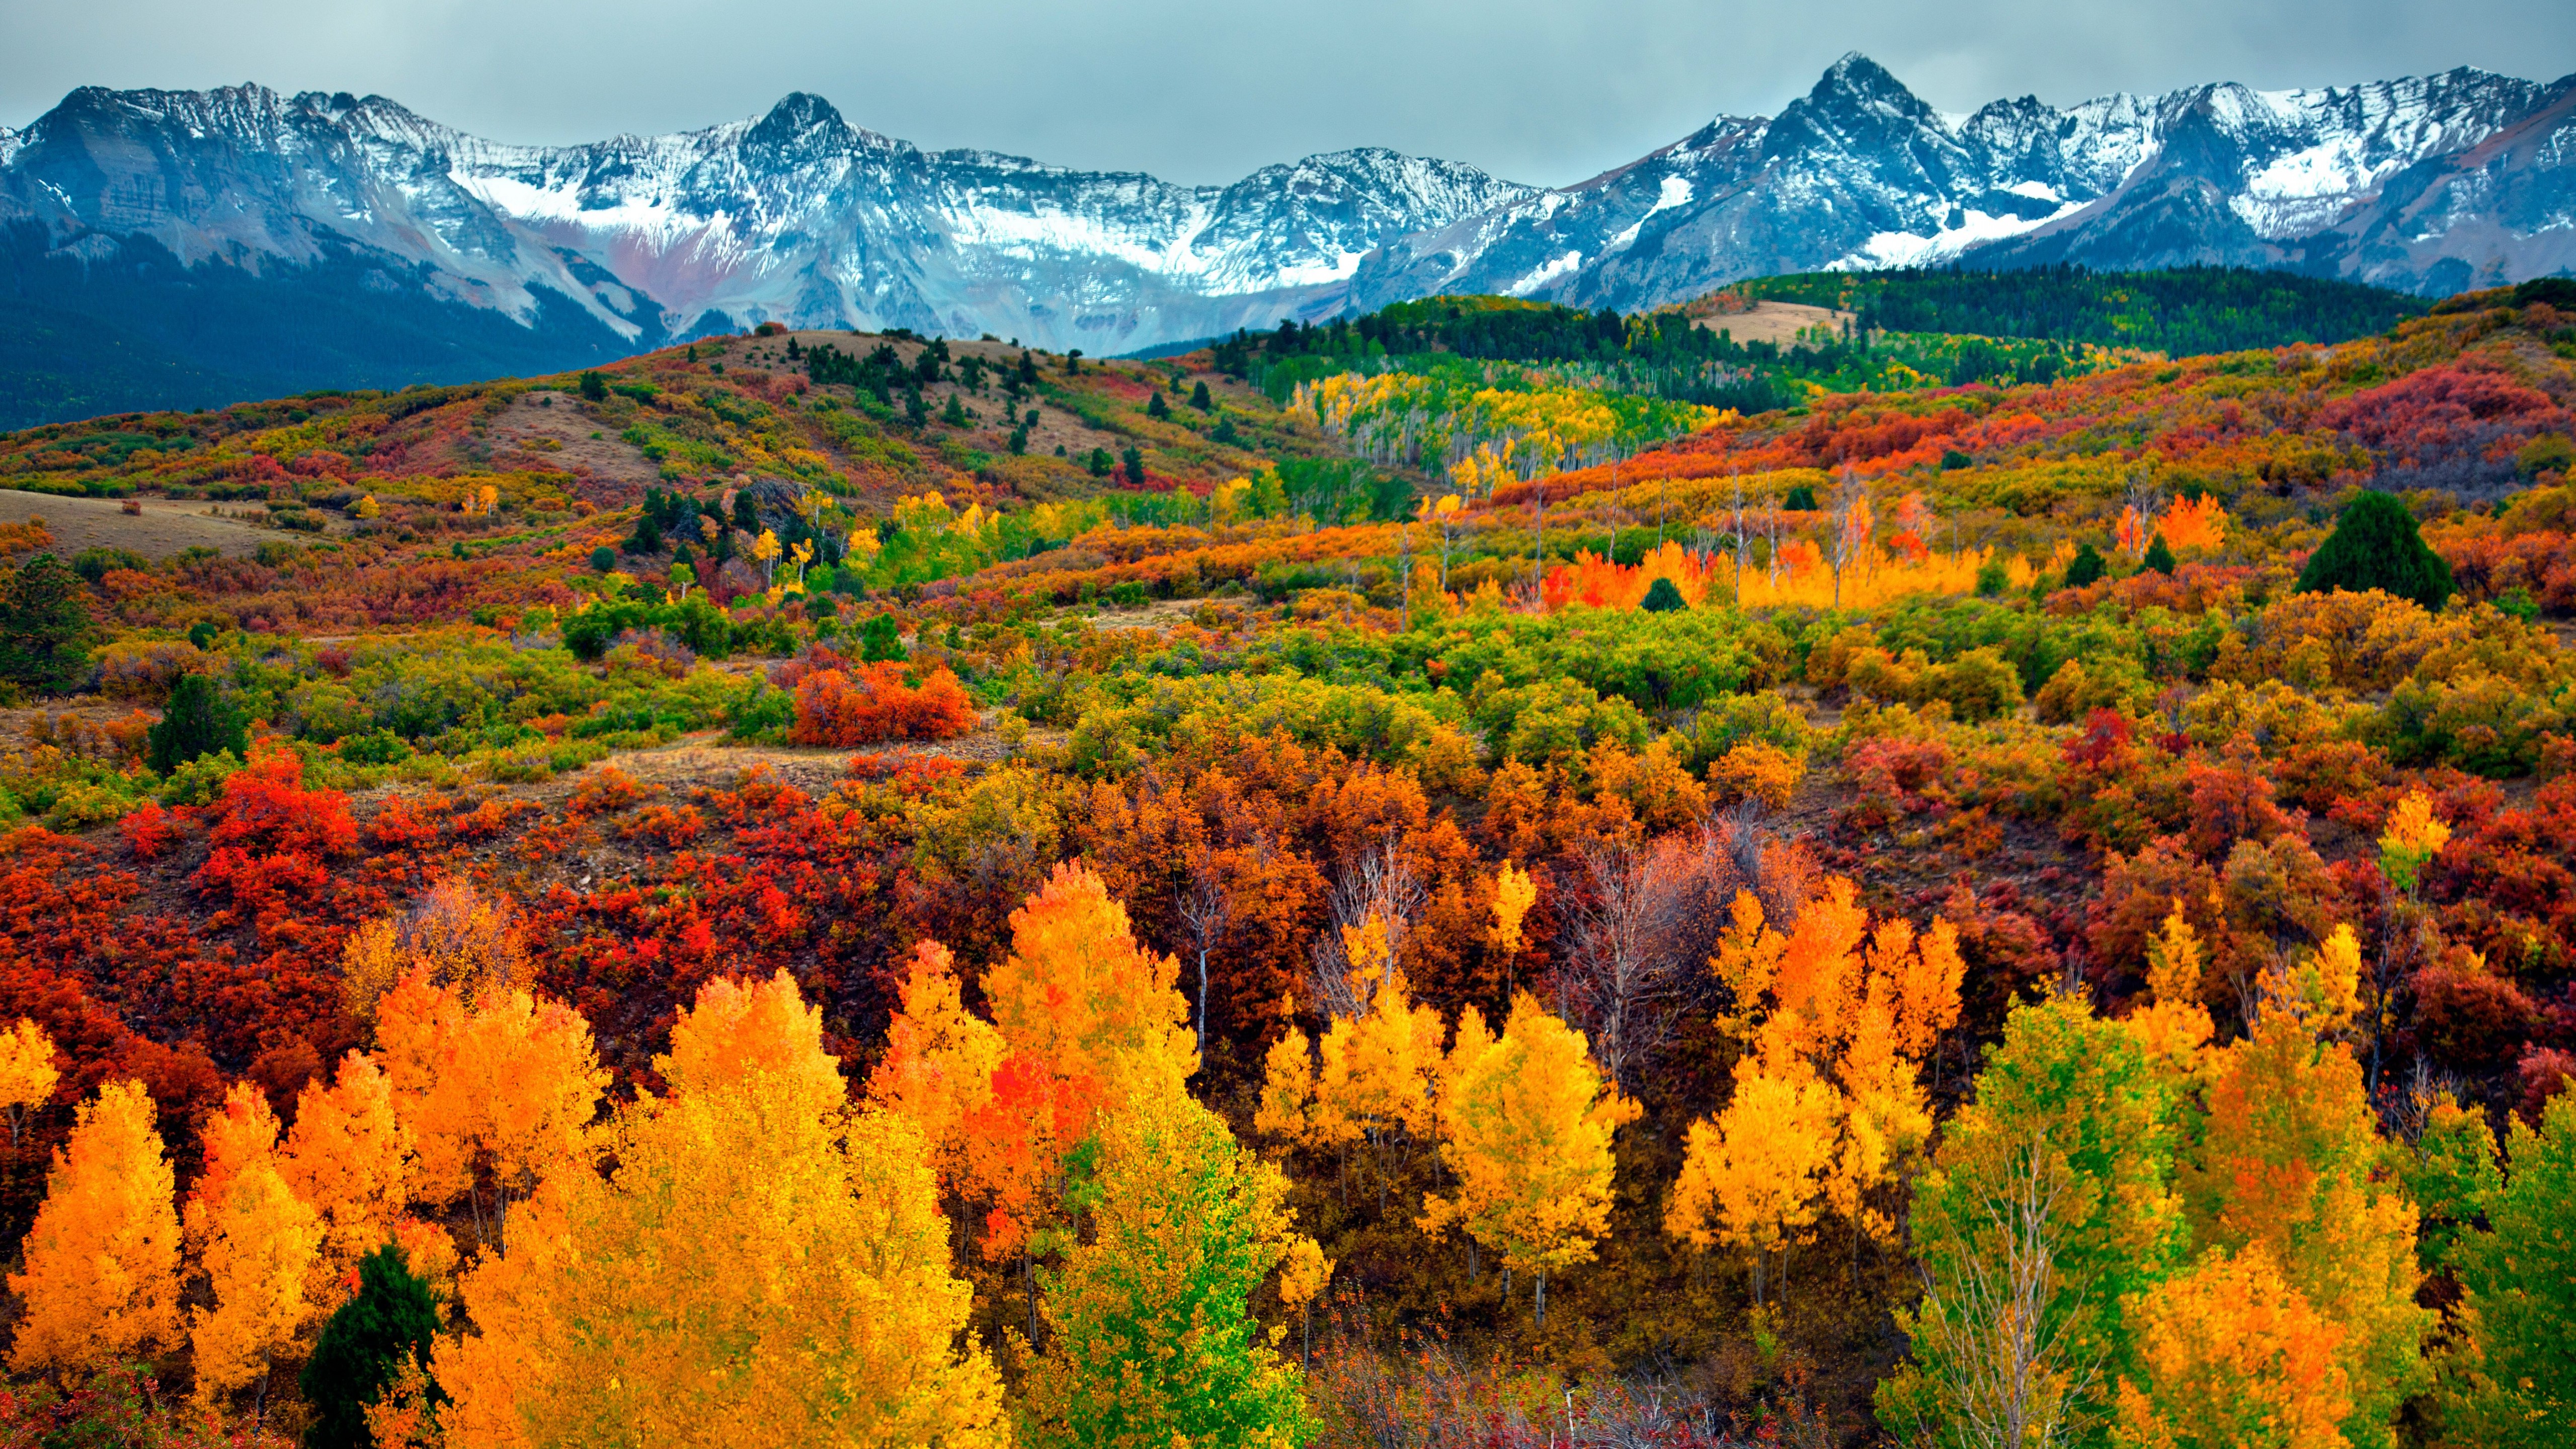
(1801, 499)
(594, 387)
(44, 628)
(1199, 399)
(1100, 462)
(746, 512)
(1155, 407)
(1663, 597)
(198, 721)
(2159, 557)
(2086, 568)
(1135, 463)
(881, 640)
(1028, 370)
(646, 537)
(2375, 545)
(393, 1317)
(603, 559)
(204, 633)
(954, 415)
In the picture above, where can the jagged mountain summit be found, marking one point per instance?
(2432, 185)
(177, 246)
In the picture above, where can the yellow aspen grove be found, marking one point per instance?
(350, 1158)
(27, 1074)
(256, 1243)
(495, 1097)
(1378, 1065)
(1529, 1124)
(939, 1058)
(762, 1268)
(1829, 1107)
(101, 1280)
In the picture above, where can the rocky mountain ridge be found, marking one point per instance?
(183, 244)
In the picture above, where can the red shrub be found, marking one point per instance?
(833, 708)
(150, 831)
(2466, 1016)
(266, 808)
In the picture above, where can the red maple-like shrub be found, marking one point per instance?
(874, 705)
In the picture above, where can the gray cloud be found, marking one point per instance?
(1537, 92)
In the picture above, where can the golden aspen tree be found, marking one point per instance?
(1153, 1342)
(735, 1031)
(1079, 993)
(350, 1157)
(1378, 1065)
(27, 1074)
(101, 1275)
(2290, 1164)
(939, 1058)
(1287, 1106)
(459, 937)
(1528, 1128)
(2231, 1355)
(1753, 1177)
(256, 1242)
(495, 1097)
(1837, 1018)
(763, 1267)
(1515, 891)
(2174, 1025)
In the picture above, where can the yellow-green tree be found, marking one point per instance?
(1527, 1125)
(1152, 1341)
(763, 1267)
(2046, 1210)
(101, 1280)
(256, 1242)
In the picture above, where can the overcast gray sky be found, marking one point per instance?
(1199, 91)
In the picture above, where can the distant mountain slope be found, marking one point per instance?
(253, 243)
(2429, 185)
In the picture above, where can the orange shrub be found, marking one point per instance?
(875, 704)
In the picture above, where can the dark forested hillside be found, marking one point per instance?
(2182, 312)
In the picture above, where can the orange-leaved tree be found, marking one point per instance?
(101, 1280)
(496, 1094)
(256, 1242)
(2230, 1354)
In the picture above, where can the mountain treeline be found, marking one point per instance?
(2181, 312)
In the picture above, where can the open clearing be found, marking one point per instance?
(163, 528)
